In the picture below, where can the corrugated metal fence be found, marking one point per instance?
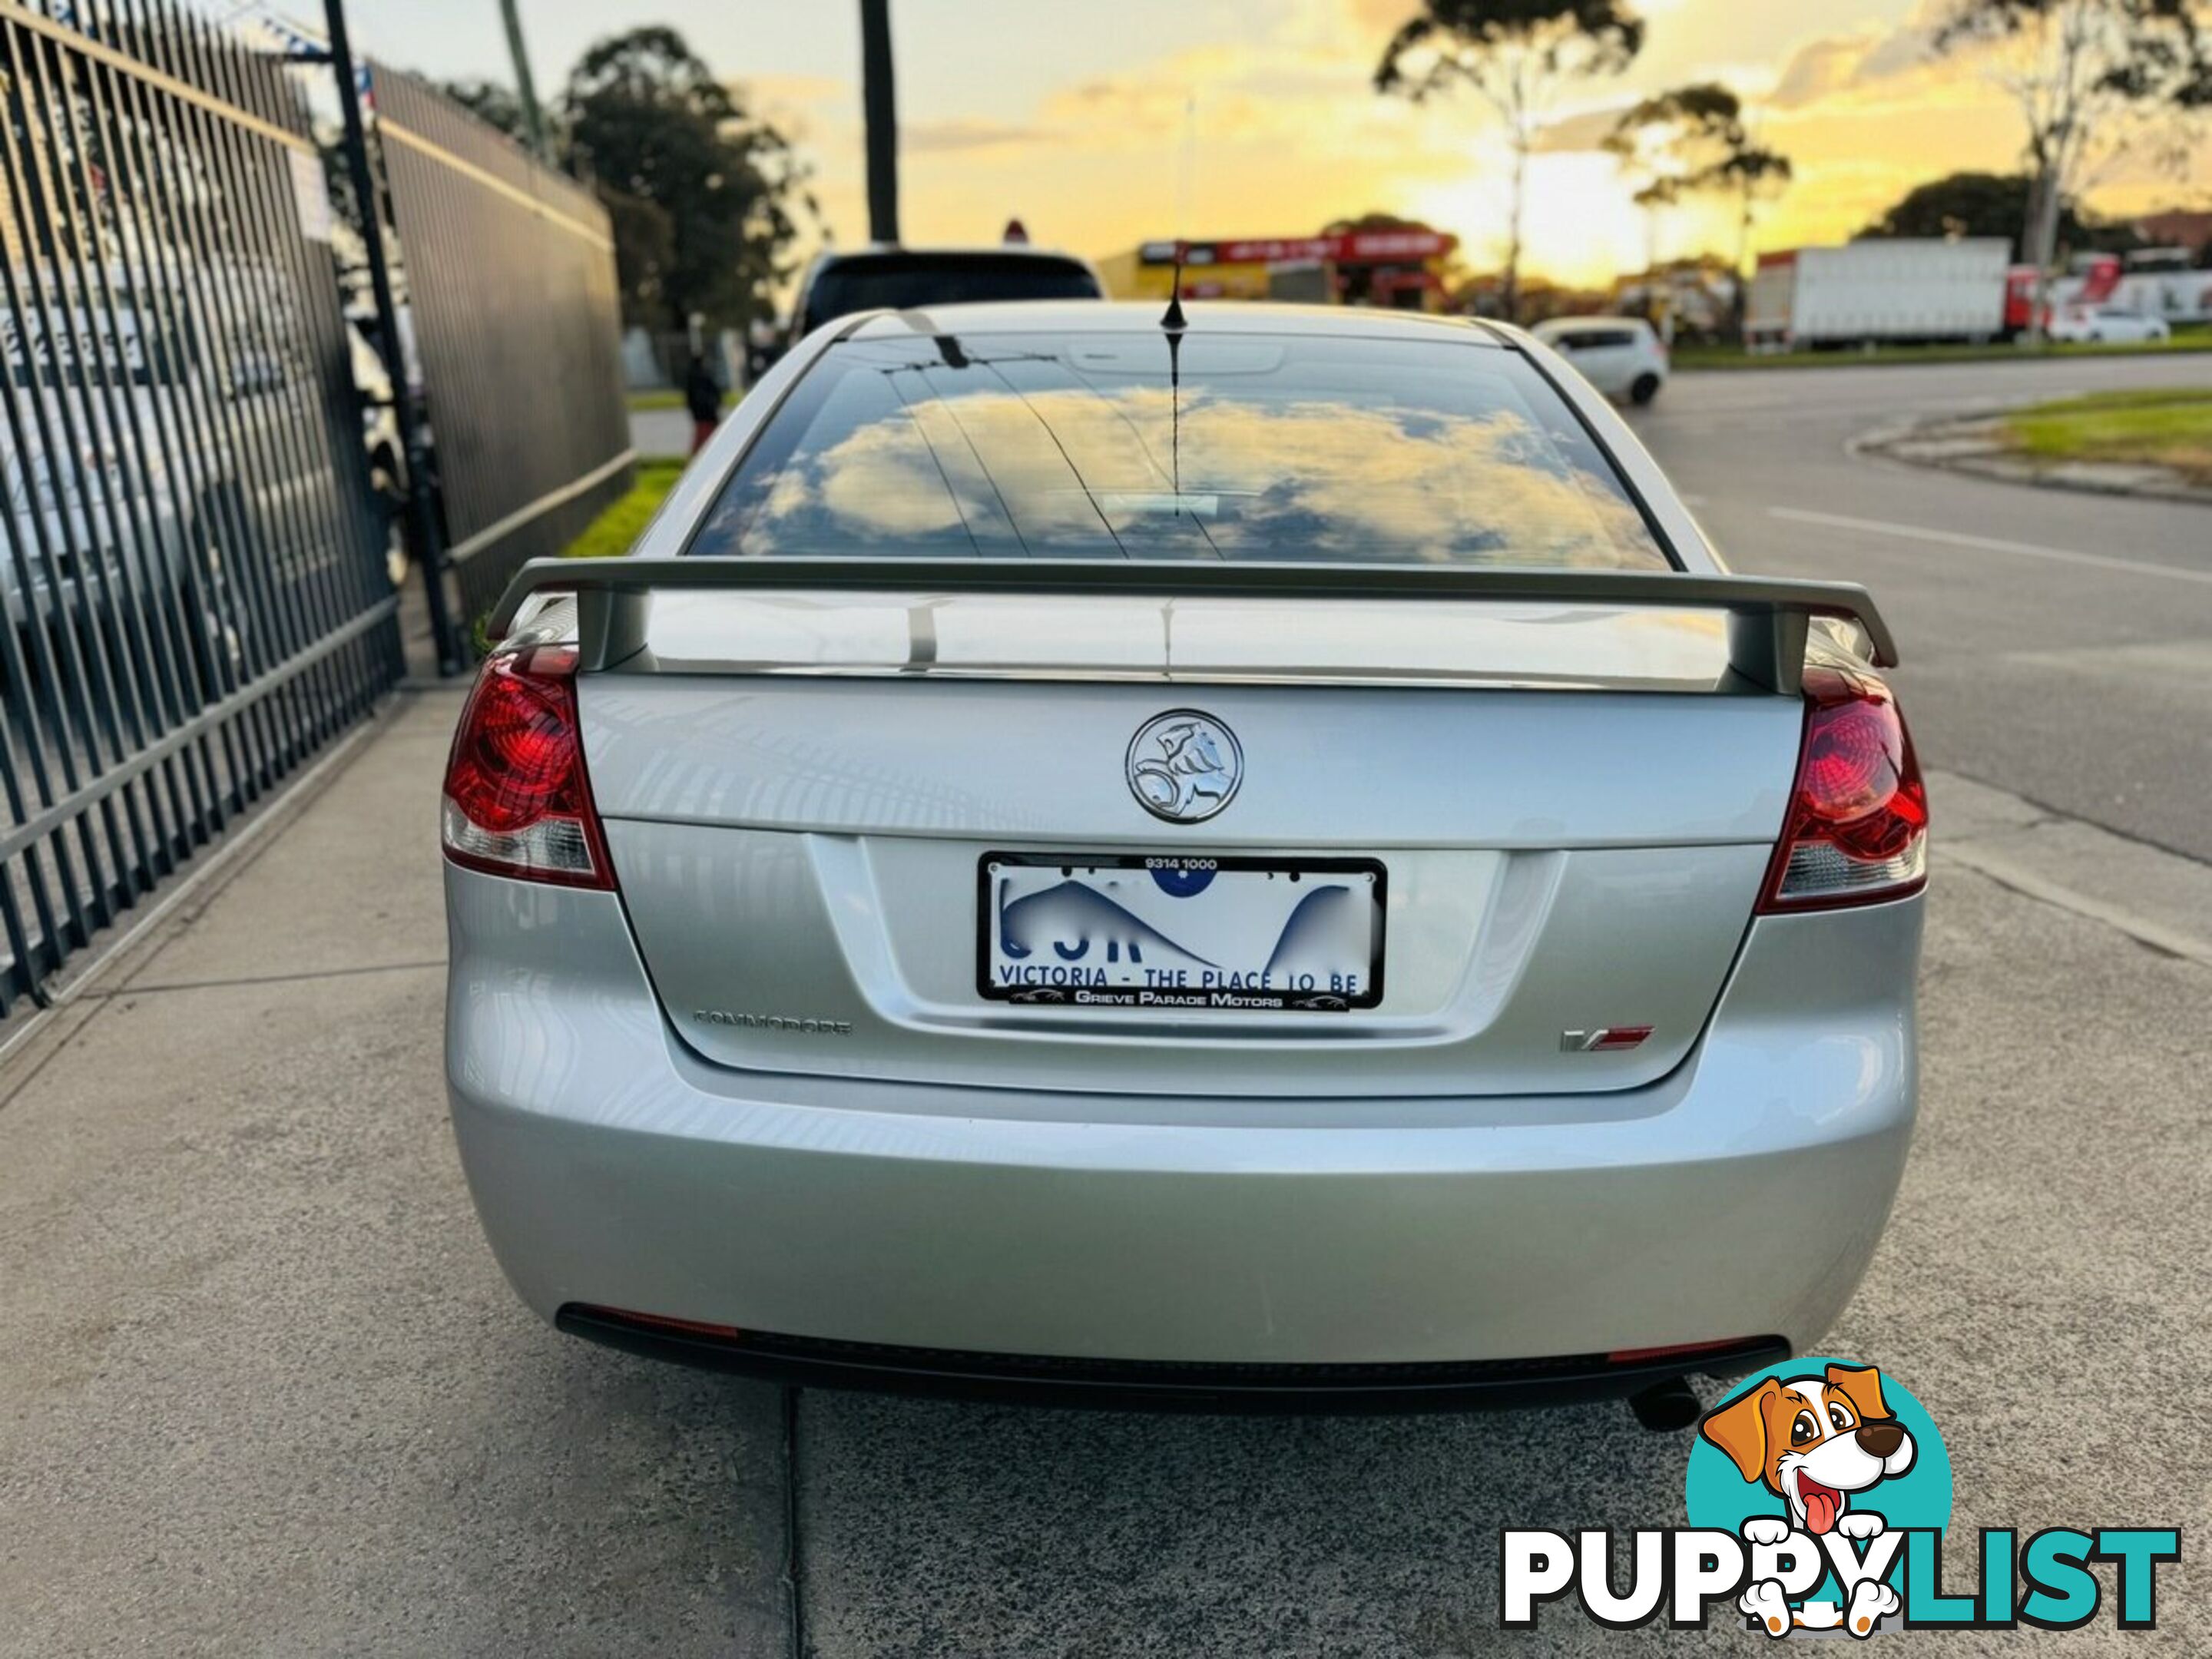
(195, 580)
(509, 275)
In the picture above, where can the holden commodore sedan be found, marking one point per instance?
(1252, 858)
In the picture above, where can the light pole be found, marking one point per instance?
(526, 92)
(879, 113)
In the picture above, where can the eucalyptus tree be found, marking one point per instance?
(1512, 54)
(1696, 140)
(2092, 80)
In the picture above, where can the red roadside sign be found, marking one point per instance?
(1350, 247)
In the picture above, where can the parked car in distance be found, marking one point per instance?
(2106, 322)
(1259, 858)
(838, 285)
(1621, 357)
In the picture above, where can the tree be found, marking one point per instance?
(700, 192)
(1511, 53)
(1980, 205)
(1695, 141)
(1373, 220)
(645, 252)
(2091, 78)
(1641, 144)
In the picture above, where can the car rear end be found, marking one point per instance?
(1357, 922)
(1622, 356)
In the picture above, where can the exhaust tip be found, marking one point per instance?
(1668, 1408)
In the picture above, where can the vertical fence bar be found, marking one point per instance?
(144, 177)
(98, 604)
(196, 602)
(213, 513)
(145, 645)
(33, 428)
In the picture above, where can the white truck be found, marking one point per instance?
(1880, 290)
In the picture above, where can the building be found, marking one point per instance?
(1398, 268)
(2188, 228)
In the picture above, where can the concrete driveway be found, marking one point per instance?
(263, 1391)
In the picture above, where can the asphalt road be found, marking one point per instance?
(2057, 645)
(263, 1391)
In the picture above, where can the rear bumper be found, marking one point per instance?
(1739, 1198)
(1164, 1385)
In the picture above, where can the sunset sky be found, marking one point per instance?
(1071, 115)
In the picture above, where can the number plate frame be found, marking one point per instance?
(1190, 999)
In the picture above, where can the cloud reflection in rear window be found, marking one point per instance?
(1248, 447)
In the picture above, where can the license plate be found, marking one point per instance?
(1174, 932)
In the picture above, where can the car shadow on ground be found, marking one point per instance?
(938, 1527)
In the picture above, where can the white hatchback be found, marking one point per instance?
(2103, 323)
(1621, 357)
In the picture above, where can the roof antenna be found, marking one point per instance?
(1173, 319)
(1173, 324)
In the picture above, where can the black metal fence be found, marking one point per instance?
(509, 279)
(197, 595)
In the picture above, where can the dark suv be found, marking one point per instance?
(838, 285)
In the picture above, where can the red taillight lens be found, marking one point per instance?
(1857, 831)
(517, 801)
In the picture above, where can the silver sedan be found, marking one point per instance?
(1249, 858)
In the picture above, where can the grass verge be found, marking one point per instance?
(624, 521)
(673, 397)
(1732, 357)
(2152, 426)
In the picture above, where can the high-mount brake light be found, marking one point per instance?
(517, 800)
(1857, 829)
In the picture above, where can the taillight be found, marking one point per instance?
(517, 802)
(1857, 829)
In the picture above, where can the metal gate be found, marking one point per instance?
(196, 587)
(508, 270)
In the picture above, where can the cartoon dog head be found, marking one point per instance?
(1813, 1440)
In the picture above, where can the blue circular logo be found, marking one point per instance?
(1183, 883)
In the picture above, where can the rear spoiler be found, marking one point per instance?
(1767, 616)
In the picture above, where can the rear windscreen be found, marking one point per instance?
(1224, 447)
(907, 281)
